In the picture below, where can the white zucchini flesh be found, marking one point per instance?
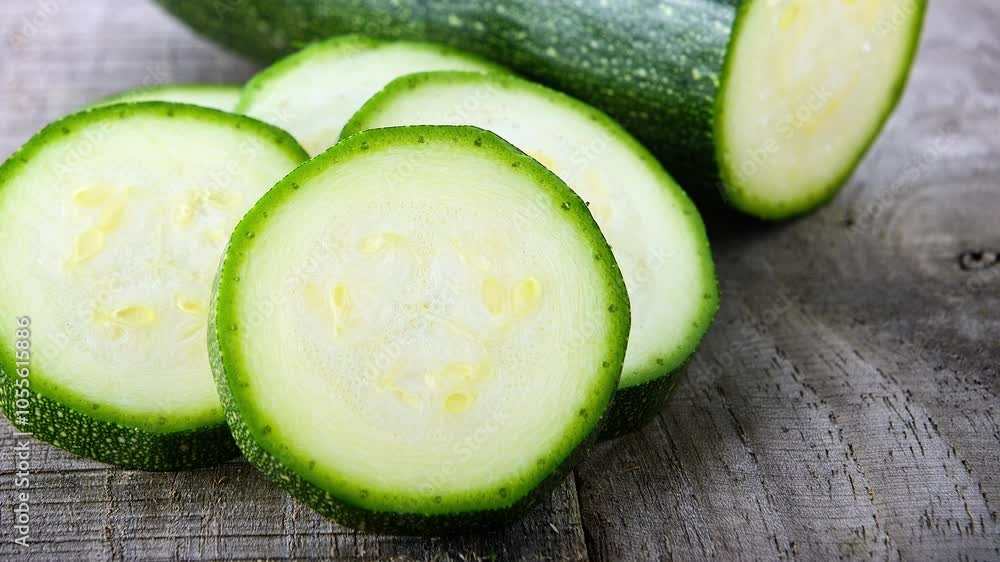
(654, 231)
(313, 93)
(451, 325)
(115, 220)
(221, 97)
(808, 84)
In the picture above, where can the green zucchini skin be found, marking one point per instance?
(177, 93)
(634, 407)
(83, 427)
(272, 459)
(595, 53)
(657, 66)
(84, 435)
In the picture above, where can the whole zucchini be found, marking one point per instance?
(772, 102)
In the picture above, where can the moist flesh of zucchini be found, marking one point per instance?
(215, 96)
(418, 331)
(314, 92)
(773, 102)
(112, 223)
(656, 233)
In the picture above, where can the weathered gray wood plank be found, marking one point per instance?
(843, 405)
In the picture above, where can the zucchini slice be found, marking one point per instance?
(656, 233)
(807, 86)
(215, 96)
(313, 93)
(418, 331)
(113, 221)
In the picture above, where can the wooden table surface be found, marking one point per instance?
(844, 405)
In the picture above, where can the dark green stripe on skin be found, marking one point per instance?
(102, 432)
(330, 495)
(635, 59)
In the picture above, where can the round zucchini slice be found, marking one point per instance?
(806, 87)
(215, 96)
(113, 221)
(418, 331)
(313, 92)
(656, 233)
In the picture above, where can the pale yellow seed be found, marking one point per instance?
(373, 244)
(110, 217)
(493, 296)
(525, 295)
(183, 214)
(872, 11)
(191, 306)
(136, 315)
(867, 14)
(597, 191)
(92, 196)
(790, 16)
(430, 379)
(405, 397)
(88, 245)
(339, 298)
(387, 380)
(223, 199)
(485, 372)
(458, 401)
(379, 242)
(460, 372)
(215, 235)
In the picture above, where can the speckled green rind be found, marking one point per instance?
(346, 45)
(167, 92)
(336, 500)
(84, 435)
(656, 66)
(636, 406)
(81, 426)
(643, 390)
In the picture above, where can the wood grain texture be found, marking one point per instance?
(844, 405)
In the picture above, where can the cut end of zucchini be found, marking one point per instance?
(807, 86)
(110, 218)
(313, 92)
(450, 330)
